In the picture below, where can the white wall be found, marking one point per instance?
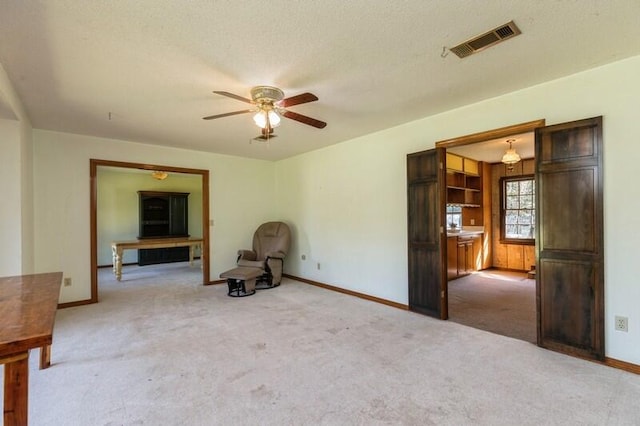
(347, 202)
(241, 193)
(117, 206)
(10, 208)
(16, 159)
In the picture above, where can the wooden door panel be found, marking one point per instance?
(424, 298)
(567, 302)
(569, 238)
(426, 242)
(571, 228)
(570, 143)
(425, 229)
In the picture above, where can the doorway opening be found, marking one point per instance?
(202, 175)
(492, 289)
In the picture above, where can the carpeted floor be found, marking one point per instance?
(160, 349)
(501, 302)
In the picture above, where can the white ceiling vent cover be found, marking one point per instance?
(490, 38)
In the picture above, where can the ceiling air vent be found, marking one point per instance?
(481, 42)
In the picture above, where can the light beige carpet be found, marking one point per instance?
(160, 349)
(502, 302)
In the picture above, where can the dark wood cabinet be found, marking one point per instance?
(163, 215)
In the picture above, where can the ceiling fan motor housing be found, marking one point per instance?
(269, 94)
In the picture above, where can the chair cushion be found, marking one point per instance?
(251, 263)
(242, 273)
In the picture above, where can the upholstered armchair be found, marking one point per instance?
(271, 243)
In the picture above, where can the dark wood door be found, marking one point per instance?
(426, 238)
(569, 238)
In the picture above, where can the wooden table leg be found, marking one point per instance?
(45, 357)
(16, 389)
(117, 262)
(192, 249)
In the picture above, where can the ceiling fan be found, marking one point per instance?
(269, 105)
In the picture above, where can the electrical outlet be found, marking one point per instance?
(622, 323)
(67, 282)
(318, 265)
(303, 257)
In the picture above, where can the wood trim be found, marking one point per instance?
(216, 282)
(93, 200)
(14, 357)
(502, 132)
(93, 166)
(350, 292)
(74, 304)
(622, 365)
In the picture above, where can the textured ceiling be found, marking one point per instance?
(145, 70)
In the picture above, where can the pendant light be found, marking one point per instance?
(510, 157)
(159, 175)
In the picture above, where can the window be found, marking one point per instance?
(518, 210)
(454, 216)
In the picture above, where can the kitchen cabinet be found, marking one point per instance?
(464, 183)
(464, 254)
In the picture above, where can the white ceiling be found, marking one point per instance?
(491, 151)
(145, 70)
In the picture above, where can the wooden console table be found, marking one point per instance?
(118, 247)
(28, 306)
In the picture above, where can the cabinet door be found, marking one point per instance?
(179, 216)
(154, 216)
(471, 166)
(477, 253)
(454, 162)
(462, 258)
(469, 257)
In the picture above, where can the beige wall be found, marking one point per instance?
(16, 177)
(241, 198)
(117, 206)
(348, 201)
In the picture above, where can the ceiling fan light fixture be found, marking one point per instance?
(274, 118)
(264, 117)
(510, 157)
(260, 119)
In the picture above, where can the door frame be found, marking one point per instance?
(502, 132)
(94, 164)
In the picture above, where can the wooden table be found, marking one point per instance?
(28, 306)
(118, 247)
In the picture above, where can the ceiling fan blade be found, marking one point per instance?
(231, 95)
(304, 119)
(211, 117)
(298, 99)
